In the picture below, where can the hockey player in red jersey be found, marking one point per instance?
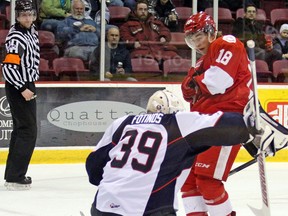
(219, 82)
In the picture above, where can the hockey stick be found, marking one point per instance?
(265, 210)
(243, 166)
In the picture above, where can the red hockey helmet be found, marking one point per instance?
(199, 22)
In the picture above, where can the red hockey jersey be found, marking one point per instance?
(223, 77)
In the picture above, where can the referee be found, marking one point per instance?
(20, 70)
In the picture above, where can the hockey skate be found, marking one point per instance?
(271, 137)
(24, 184)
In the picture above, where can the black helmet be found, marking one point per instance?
(24, 5)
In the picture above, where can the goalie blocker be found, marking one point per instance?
(272, 136)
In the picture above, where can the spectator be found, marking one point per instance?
(146, 36)
(115, 54)
(281, 41)
(96, 15)
(142, 160)
(164, 10)
(125, 3)
(79, 34)
(219, 82)
(130, 4)
(248, 28)
(51, 12)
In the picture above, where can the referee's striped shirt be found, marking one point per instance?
(22, 58)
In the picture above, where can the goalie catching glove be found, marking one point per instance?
(271, 137)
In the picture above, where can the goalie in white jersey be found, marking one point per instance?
(142, 161)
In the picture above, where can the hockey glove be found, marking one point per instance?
(189, 89)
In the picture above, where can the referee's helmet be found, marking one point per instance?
(24, 5)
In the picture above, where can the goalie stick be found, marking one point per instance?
(265, 210)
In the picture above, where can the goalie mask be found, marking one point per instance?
(164, 101)
(197, 23)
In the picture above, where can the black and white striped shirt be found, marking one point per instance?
(21, 62)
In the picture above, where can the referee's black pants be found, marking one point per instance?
(24, 134)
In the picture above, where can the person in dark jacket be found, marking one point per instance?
(248, 28)
(281, 41)
(147, 36)
(165, 11)
(117, 58)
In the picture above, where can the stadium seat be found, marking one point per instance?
(261, 14)
(8, 13)
(280, 70)
(145, 68)
(3, 34)
(269, 5)
(3, 21)
(118, 14)
(279, 16)
(74, 68)
(225, 19)
(46, 74)
(176, 66)
(262, 71)
(178, 40)
(48, 48)
(178, 3)
(183, 14)
(46, 38)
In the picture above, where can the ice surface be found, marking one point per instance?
(64, 190)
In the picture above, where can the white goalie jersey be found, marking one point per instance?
(139, 162)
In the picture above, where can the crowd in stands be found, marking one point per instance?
(147, 31)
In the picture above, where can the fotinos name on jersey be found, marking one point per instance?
(154, 118)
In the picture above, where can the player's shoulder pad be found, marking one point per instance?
(227, 41)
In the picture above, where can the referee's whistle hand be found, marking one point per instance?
(28, 94)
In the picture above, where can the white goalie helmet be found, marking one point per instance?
(164, 101)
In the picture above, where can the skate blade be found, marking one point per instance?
(11, 186)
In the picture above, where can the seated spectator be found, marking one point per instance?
(147, 36)
(52, 12)
(130, 4)
(248, 28)
(127, 3)
(164, 10)
(281, 41)
(95, 14)
(79, 34)
(117, 58)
